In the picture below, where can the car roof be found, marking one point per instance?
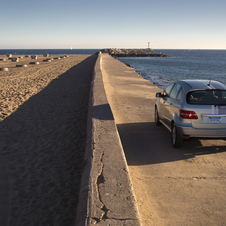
(202, 84)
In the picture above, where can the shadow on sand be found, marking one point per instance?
(42, 144)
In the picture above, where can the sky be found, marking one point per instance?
(98, 24)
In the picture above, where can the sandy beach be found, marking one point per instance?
(43, 117)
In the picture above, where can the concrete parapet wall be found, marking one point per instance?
(106, 195)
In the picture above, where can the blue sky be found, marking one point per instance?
(59, 24)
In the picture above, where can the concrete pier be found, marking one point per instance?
(106, 195)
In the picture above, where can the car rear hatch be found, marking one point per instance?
(210, 108)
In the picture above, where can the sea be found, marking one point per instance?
(180, 63)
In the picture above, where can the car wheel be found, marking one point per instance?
(157, 122)
(175, 139)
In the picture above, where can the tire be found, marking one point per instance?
(157, 122)
(176, 141)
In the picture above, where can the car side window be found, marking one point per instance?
(223, 93)
(179, 94)
(168, 89)
(175, 91)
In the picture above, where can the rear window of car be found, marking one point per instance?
(207, 97)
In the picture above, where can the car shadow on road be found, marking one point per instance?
(146, 143)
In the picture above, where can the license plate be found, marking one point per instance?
(215, 120)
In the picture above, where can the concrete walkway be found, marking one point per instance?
(129, 94)
(132, 98)
(172, 187)
(106, 195)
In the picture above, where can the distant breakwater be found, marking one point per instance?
(133, 53)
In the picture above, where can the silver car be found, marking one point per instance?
(192, 109)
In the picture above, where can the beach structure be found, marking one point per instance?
(47, 60)
(4, 69)
(34, 62)
(34, 57)
(21, 65)
(15, 59)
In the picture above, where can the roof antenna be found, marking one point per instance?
(209, 83)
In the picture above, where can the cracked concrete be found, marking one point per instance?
(106, 193)
(100, 179)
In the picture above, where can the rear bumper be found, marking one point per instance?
(187, 132)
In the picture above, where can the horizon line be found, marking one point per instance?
(116, 48)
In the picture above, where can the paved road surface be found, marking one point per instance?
(184, 186)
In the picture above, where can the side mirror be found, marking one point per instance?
(159, 95)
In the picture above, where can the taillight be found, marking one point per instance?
(188, 114)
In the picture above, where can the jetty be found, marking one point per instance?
(148, 52)
(132, 175)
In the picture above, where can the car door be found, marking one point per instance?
(164, 102)
(172, 104)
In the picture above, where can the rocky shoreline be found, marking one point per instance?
(133, 53)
